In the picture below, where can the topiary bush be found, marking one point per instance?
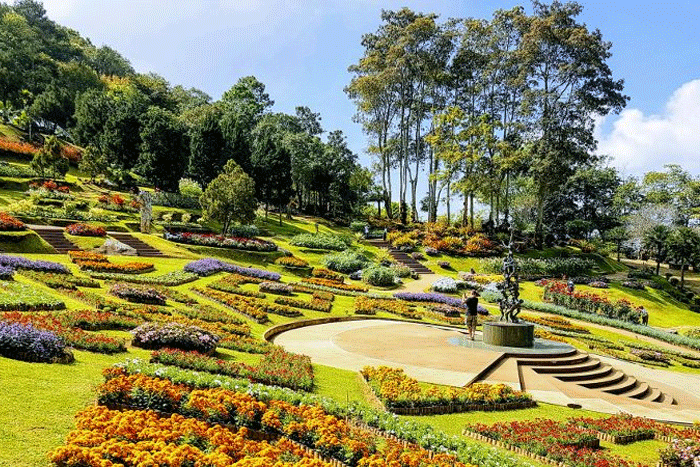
(379, 276)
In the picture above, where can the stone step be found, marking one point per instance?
(572, 375)
(568, 360)
(639, 392)
(627, 384)
(142, 248)
(606, 381)
(56, 239)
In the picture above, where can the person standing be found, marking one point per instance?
(643, 315)
(472, 304)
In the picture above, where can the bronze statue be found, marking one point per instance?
(510, 287)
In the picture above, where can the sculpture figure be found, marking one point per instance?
(510, 302)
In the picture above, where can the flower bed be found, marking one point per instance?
(6, 273)
(91, 320)
(234, 289)
(174, 441)
(71, 334)
(345, 261)
(130, 293)
(315, 304)
(17, 147)
(429, 297)
(10, 223)
(25, 342)
(22, 297)
(379, 423)
(214, 315)
(321, 241)
(123, 268)
(277, 367)
(60, 281)
(20, 262)
(620, 429)
(309, 425)
(220, 241)
(556, 322)
(275, 288)
(398, 392)
(237, 304)
(209, 266)
(292, 262)
(557, 293)
(370, 306)
(86, 230)
(335, 285)
(80, 255)
(170, 279)
(175, 335)
(328, 275)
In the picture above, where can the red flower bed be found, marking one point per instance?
(558, 293)
(9, 223)
(86, 230)
(14, 147)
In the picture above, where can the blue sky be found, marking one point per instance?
(301, 50)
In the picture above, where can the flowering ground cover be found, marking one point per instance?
(315, 304)
(101, 438)
(429, 297)
(68, 330)
(221, 241)
(557, 293)
(20, 262)
(209, 266)
(22, 341)
(133, 267)
(370, 306)
(60, 281)
(275, 288)
(396, 390)
(277, 367)
(86, 230)
(172, 278)
(229, 287)
(254, 308)
(175, 335)
(10, 223)
(292, 262)
(310, 425)
(331, 284)
(22, 297)
(137, 294)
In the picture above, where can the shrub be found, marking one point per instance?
(25, 342)
(174, 335)
(86, 230)
(10, 223)
(430, 251)
(244, 231)
(445, 285)
(444, 264)
(379, 276)
(321, 241)
(401, 270)
(346, 262)
(633, 285)
(538, 268)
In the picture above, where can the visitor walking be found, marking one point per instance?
(643, 315)
(470, 318)
(384, 235)
(366, 231)
(570, 286)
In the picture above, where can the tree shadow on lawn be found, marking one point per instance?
(647, 296)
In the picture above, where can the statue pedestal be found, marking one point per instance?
(505, 334)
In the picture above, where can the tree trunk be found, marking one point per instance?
(682, 276)
(471, 210)
(658, 267)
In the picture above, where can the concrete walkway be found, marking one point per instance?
(440, 355)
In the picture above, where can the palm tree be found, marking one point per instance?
(655, 240)
(684, 248)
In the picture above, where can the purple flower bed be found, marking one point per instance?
(174, 335)
(25, 342)
(428, 297)
(18, 262)
(6, 273)
(137, 294)
(209, 266)
(221, 241)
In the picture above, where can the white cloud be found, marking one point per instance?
(639, 143)
(58, 10)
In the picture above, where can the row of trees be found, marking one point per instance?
(486, 108)
(131, 122)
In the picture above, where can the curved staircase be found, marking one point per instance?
(401, 257)
(589, 372)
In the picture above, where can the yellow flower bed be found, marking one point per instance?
(395, 389)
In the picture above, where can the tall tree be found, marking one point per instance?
(208, 150)
(656, 241)
(683, 249)
(163, 147)
(569, 83)
(230, 197)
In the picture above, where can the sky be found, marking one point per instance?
(301, 51)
